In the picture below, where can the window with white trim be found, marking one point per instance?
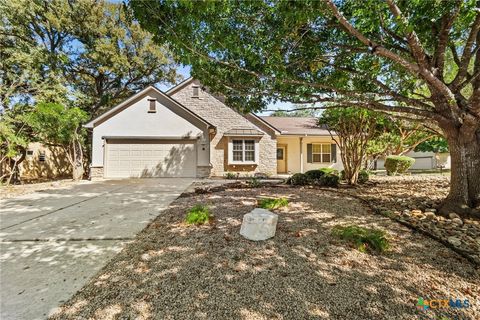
(321, 152)
(243, 151)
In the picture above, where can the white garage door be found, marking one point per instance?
(150, 158)
(423, 163)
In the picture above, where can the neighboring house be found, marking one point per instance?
(42, 162)
(423, 161)
(189, 132)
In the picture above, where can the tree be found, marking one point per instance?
(436, 144)
(354, 128)
(14, 140)
(419, 60)
(295, 113)
(88, 53)
(398, 137)
(59, 126)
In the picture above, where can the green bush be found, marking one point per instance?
(299, 179)
(254, 183)
(398, 164)
(314, 174)
(363, 176)
(230, 175)
(199, 214)
(272, 203)
(329, 180)
(366, 240)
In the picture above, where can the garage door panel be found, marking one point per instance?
(129, 158)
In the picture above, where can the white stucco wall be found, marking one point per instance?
(135, 121)
(293, 153)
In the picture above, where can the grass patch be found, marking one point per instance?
(272, 203)
(364, 239)
(199, 214)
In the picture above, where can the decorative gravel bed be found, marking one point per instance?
(175, 271)
(411, 200)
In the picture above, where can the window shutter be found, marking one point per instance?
(334, 152)
(309, 153)
(195, 92)
(152, 106)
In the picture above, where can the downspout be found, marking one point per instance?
(301, 155)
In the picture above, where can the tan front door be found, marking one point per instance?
(281, 159)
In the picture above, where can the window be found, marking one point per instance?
(321, 153)
(153, 106)
(280, 154)
(195, 92)
(41, 157)
(29, 152)
(243, 151)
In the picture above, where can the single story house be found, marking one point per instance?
(190, 132)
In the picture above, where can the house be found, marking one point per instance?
(41, 162)
(189, 132)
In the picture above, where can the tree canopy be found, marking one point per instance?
(90, 54)
(418, 60)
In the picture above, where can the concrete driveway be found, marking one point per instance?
(52, 242)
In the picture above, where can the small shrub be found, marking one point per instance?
(299, 179)
(272, 203)
(398, 164)
(230, 175)
(314, 174)
(365, 240)
(329, 170)
(254, 183)
(363, 176)
(199, 214)
(329, 180)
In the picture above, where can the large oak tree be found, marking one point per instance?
(416, 59)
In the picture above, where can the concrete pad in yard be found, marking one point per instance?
(53, 241)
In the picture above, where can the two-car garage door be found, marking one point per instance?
(150, 158)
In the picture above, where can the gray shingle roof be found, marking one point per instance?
(297, 126)
(243, 132)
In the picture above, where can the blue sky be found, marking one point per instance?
(185, 72)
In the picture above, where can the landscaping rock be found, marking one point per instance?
(457, 221)
(453, 215)
(259, 224)
(429, 215)
(455, 241)
(401, 194)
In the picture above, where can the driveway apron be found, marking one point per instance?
(52, 242)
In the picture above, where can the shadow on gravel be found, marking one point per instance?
(174, 271)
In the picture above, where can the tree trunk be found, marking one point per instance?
(464, 195)
(77, 160)
(77, 171)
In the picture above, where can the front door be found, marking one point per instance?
(281, 159)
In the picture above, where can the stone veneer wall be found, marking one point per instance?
(224, 118)
(96, 173)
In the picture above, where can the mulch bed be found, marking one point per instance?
(175, 271)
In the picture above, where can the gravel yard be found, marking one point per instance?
(15, 190)
(175, 271)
